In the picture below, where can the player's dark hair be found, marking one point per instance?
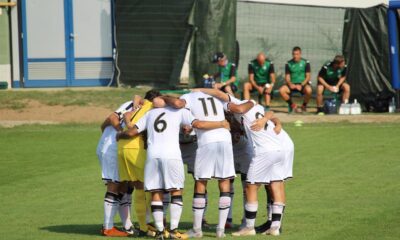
(338, 59)
(297, 48)
(150, 95)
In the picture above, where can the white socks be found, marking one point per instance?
(158, 215)
(111, 204)
(251, 213)
(277, 214)
(224, 205)
(175, 211)
(125, 210)
(199, 204)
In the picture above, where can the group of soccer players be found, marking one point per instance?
(146, 142)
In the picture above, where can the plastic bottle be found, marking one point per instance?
(355, 108)
(392, 106)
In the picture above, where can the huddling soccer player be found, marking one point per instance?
(271, 160)
(214, 158)
(107, 154)
(164, 169)
(131, 161)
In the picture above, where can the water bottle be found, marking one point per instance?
(355, 108)
(392, 106)
(344, 109)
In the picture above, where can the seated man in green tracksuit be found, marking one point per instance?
(332, 77)
(261, 78)
(227, 72)
(297, 77)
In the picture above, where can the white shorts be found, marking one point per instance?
(107, 152)
(242, 153)
(267, 167)
(288, 147)
(163, 174)
(214, 160)
(188, 151)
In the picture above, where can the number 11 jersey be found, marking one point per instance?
(207, 108)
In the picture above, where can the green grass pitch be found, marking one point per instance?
(346, 185)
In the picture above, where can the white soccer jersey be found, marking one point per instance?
(163, 125)
(207, 108)
(126, 107)
(263, 140)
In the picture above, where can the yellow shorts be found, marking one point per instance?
(131, 164)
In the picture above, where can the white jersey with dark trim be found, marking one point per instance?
(126, 107)
(264, 140)
(163, 125)
(207, 108)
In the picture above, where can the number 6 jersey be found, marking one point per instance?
(207, 108)
(163, 125)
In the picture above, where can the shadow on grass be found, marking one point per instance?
(94, 229)
(85, 229)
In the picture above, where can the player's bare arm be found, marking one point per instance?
(325, 84)
(111, 120)
(137, 101)
(208, 125)
(307, 79)
(278, 125)
(213, 92)
(341, 81)
(158, 102)
(231, 80)
(127, 119)
(174, 102)
(241, 108)
(127, 134)
(259, 124)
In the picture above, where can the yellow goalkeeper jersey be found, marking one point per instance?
(136, 142)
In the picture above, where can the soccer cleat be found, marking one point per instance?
(192, 234)
(151, 227)
(273, 231)
(130, 231)
(244, 232)
(264, 227)
(175, 234)
(113, 232)
(220, 233)
(159, 235)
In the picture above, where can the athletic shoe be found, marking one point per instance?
(113, 232)
(159, 235)
(264, 227)
(151, 227)
(220, 233)
(192, 234)
(273, 231)
(175, 234)
(245, 232)
(130, 231)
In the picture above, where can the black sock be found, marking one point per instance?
(320, 109)
(304, 104)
